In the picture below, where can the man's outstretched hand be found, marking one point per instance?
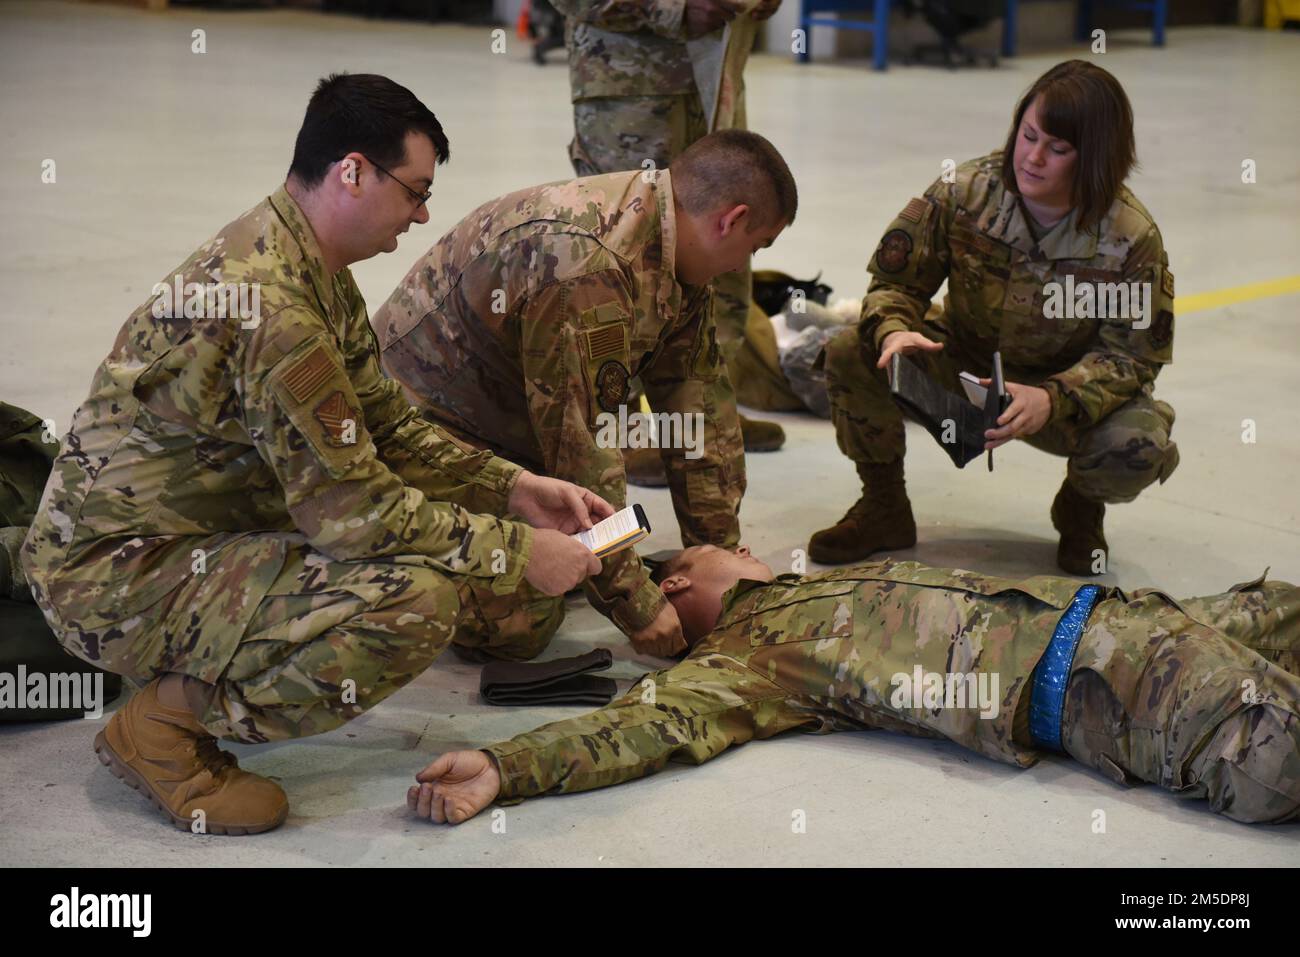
(455, 787)
(553, 503)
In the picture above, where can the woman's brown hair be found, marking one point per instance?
(1084, 105)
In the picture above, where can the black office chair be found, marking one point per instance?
(951, 19)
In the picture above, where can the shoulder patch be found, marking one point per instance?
(339, 419)
(605, 341)
(1162, 330)
(913, 211)
(308, 374)
(894, 251)
(612, 386)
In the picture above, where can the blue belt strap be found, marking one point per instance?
(1052, 674)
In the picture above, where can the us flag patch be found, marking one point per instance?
(913, 211)
(604, 341)
(308, 374)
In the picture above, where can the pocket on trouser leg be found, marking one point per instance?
(515, 627)
(1250, 770)
(322, 659)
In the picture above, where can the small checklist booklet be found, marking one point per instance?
(620, 530)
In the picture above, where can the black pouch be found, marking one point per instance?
(562, 681)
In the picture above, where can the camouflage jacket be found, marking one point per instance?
(639, 48)
(210, 423)
(820, 653)
(521, 328)
(626, 47)
(974, 233)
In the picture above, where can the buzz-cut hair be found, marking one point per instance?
(669, 567)
(731, 167)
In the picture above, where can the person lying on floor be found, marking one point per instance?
(1200, 696)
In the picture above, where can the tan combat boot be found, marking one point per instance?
(761, 436)
(170, 758)
(1083, 542)
(880, 520)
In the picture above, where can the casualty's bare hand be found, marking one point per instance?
(662, 637)
(558, 562)
(553, 503)
(904, 342)
(705, 16)
(455, 787)
(1028, 412)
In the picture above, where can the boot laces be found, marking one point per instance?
(210, 755)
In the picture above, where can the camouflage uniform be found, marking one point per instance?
(635, 99)
(249, 501)
(1191, 695)
(527, 321)
(1099, 372)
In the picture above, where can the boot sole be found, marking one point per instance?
(124, 772)
(764, 446)
(825, 559)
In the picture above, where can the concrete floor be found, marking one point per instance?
(156, 147)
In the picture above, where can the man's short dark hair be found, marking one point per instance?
(1084, 105)
(667, 568)
(735, 167)
(361, 113)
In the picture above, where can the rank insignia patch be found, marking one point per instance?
(611, 386)
(894, 251)
(340, 420)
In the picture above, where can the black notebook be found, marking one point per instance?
(956, 424)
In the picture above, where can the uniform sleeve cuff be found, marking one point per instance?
(884, 328)
(511, 770)
(1062, 406)
(515, 542)
(640, 609)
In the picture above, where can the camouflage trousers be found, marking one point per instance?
(331, 640)
(1109, 461)
(1200, 696)
(615, 133)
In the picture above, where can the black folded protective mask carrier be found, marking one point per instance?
(562, 681)
(956, 424)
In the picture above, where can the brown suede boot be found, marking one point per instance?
(1083, 550)
(761, 436)
(881, 520)
(645, 467)
(170, 758)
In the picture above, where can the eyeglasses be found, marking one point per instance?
(420, 198)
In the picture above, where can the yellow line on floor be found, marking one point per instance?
(1234, 294)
